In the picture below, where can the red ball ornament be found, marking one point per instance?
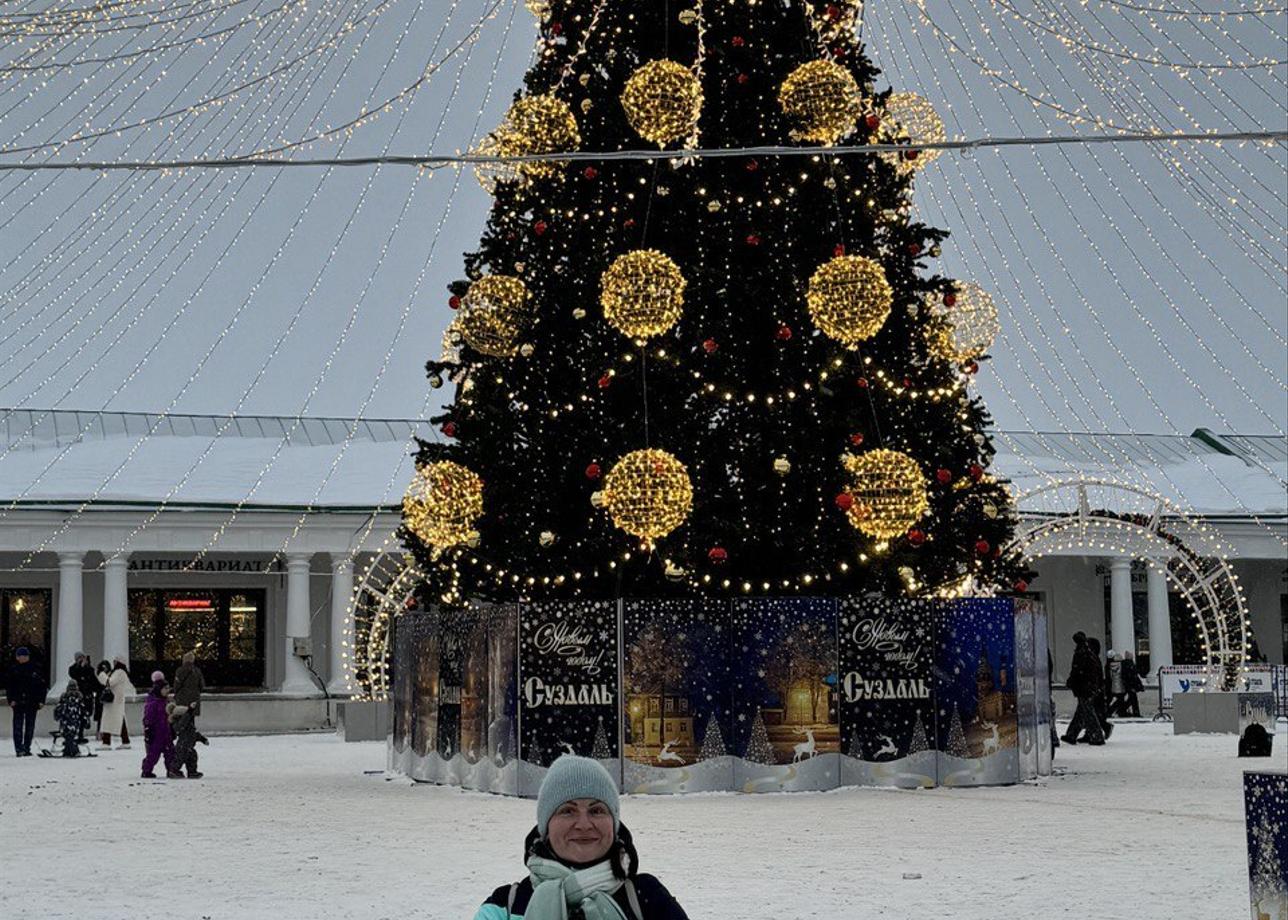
(907, 382)
(916, 537)
(718, 555)
(539, 227)
(982, 547)
(844, 501)
(784, 333)
(738, 41)
(753, 240)
(710, 346)
(449, 429)
(590, 172)
(604, 381)
(593, 471)
(914, 249)
(872, 122)
(752, 166)
(976, 472)
(743, 78)
(833, 12)
(628, 223)
(856, 439)
(862, 383)
(970, 367)
(556, 28)
(944, 476)
(454, 302)
(911, 154)
(1020, 586)
(838, 250)
(950, 299)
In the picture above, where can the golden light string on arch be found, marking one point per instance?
(954, 44)
(335, 350)
(1126, 461)
(138, 236)
(119, 23)
(70, 520)
(1135, 307)
(1166, 252)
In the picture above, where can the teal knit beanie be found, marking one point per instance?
(571, 778)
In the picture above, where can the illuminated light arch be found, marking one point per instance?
(386, 589)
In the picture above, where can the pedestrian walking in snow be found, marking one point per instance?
(186, 738)
(1100, 698)
(25, 690)
(581, 860)
(157, 738)
(72, 716)
(189, 684)
(1083, 681)
(1132, 685)
(116, 687)
(1114, 684)
(82, 673)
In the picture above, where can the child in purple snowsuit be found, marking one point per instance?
(156, 730)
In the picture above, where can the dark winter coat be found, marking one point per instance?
(1085, 679)
(1131, 677)
(189, 683)
(71, 713)
(83, 674)
(655, 901)
(25, 684)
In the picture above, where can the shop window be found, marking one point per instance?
(26, 620)
(224, 628)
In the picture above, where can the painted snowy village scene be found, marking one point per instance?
(644, 459)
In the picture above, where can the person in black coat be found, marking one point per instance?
(1083, 682)
(1100, 697)
(580, 856)
(82, 672)
(1132, 685)
(25, 690)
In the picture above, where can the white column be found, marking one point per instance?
(296, 677)
(1160, 620)
(341, 631)
(116, 609)
(1122, 632)
(69, 633)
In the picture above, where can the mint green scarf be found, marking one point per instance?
(555, 888)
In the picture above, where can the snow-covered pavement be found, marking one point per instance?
(1150, 826)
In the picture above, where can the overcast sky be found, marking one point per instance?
(1140, 288)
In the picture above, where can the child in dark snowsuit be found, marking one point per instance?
(72, 716)
(156, 731)
(186, 737)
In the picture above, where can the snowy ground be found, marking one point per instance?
(1150, 826)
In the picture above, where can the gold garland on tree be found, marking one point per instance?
(443, 504)
(648, 493)
(966, 329)
(889, 492)
(642, 293)
(824, 100)
(663, 101)
(911, 117)
(849, 298)
(492, 315)
(534, 125)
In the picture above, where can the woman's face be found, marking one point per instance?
(581, 831)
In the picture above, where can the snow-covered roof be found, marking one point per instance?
(59, 456)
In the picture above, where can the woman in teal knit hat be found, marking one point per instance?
(581, 862)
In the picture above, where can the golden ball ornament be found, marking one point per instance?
(823, 99)
(911, 117)
(782, 466)
(967, 329)
(493, 315)
(546, 538)
(648, 493)
(597, 499)
(642, 293)
(443, 504)
(663, 101)
(534, 125)
(889, 492)
(849, 298)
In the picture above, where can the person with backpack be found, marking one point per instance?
(580, 858)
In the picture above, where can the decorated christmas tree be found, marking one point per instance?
(759, 750)
(713, 745)
(956, 744)
(918, 743)
(601, 749)
(678, 373)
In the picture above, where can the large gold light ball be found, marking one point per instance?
(538, 8)
(443, 504)
(492, 315)
(849, 298)
(663, 101)
(642, 293)
(534, 125)
(648, 493)
(889, 492)
(823, 98)
(911, 117)
(965, 330)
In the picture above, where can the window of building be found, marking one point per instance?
(223, 627)
(26, 616)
